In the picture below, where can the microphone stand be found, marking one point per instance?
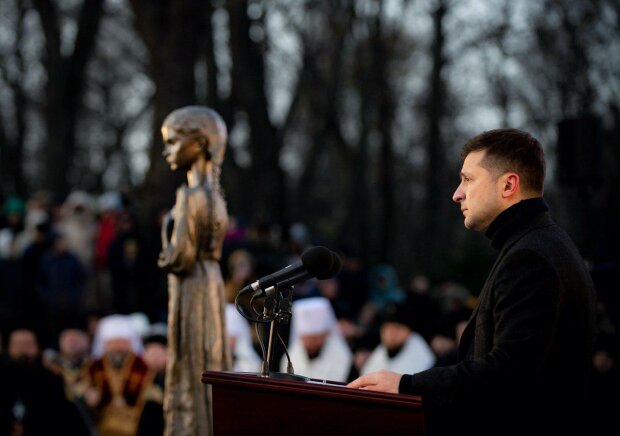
(267, 362)
(271, 303)
(278, 305)
(277, 309)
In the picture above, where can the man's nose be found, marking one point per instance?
(458, 195)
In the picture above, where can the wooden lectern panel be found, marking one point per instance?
(252, 405)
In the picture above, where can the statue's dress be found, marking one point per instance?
(193, 234)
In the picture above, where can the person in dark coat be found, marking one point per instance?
(61, 284)
(524, 358)
(32, 398)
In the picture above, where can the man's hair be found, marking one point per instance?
(511, 150)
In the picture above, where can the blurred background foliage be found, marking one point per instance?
(346, 115)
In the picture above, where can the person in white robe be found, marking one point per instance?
(245, 358)
(401, 349)
(317, 348)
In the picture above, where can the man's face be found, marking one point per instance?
(314, 343)
(180, 150)
(479, 193)
(23, 346)
(117, 345)
(155, 356)
(74, 344)
(394, 335)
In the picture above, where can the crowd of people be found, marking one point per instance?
(83, 316)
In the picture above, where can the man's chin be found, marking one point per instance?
(26, 361)
(117, 358)
(474, 225)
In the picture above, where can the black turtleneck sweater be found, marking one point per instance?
(513, 219)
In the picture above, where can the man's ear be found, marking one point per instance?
(511, 183)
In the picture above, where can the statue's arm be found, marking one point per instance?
(178, 238)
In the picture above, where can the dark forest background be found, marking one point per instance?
(344, 115)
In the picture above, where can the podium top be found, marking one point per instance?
(311, 388)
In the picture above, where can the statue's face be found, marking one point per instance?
(180, 150)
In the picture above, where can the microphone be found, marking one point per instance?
(319, 262)
(336, 265)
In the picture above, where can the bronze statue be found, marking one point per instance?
(192, 238)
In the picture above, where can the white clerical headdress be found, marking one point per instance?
(313, 316)
(116, 327)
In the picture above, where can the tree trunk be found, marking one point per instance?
(324, 70)
(360, 209)
(385, 119)
(172, 31)
(12, 146)
(64, 88)
(435, 192)
(267, 178)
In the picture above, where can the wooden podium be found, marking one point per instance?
(247, 404)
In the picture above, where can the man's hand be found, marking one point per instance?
(380, 381)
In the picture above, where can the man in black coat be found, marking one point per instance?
(32, 398)
(525, 355)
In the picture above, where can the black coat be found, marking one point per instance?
(525, 355)
(35, 397)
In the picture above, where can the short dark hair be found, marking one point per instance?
(511, 150)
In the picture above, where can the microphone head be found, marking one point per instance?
(335, 268)
(317, 260)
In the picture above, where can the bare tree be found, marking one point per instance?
(436, 193)
(12, 140)
(117, 103)
(249, 94)
(65, 85)
(172, 32)
(324, 67)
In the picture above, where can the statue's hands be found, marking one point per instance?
(178, 255)
(175, 214)
(167, 227)
(169, 258)
(380, 381)
(167, 255)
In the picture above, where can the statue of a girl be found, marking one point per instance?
(192, 238)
